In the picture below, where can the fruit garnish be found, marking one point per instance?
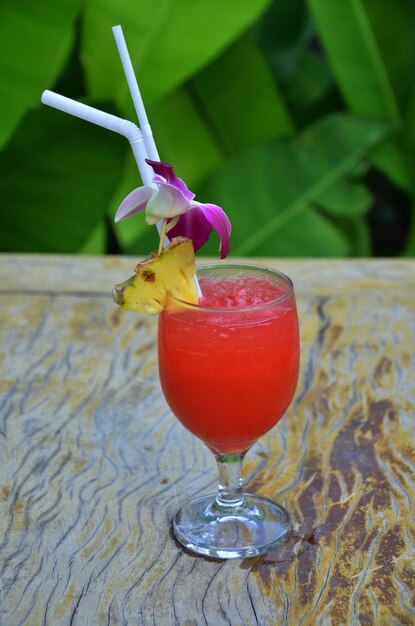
(174, 203)
(169, 273)
(172, 270)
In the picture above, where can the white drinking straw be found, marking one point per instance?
(141, 141)
(106, 120)
(135, 93)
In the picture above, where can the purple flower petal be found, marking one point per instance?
(135, 202)
(167, 201)
(194, 226)
(163, 169)
(220, 222)
(167, 172)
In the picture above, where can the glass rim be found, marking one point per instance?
(256, 307)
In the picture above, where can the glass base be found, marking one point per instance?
(231, 532)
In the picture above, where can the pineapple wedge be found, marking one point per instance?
(159, 276)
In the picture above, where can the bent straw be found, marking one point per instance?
(106, 120)
(110, 122)
(123, 127)
(135, 93)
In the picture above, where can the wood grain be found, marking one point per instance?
(93, 465)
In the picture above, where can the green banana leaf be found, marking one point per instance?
(56, 179)
(184, 138)
(35, 41)
(363, 72)
(168, 41)
(410, 147)
(287, 37)
(346, 198)
(409, 250)
(240, 99)
(371, 47)
(96, 242)
(392, 158)
(269, 192)
(282, 32)
(210, 94)
(358, 234)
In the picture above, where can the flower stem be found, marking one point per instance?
(162, 235)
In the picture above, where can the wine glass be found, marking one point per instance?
(228, 369)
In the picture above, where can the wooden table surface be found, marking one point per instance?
(93, 464)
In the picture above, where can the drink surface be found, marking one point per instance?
(233, 293)
(229, 371)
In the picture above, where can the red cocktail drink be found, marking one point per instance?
(229, 366)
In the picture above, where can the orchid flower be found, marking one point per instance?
(174, 202)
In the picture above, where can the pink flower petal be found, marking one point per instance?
(220, 222)
(135, 202)
(194, 226)
(167, 172)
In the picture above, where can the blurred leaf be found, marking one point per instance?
(410, 147)
(361, 169)
(392, 159)
(168, 41)
(410, 242)
(373, 68)
(393, 25)
(282, 32)
(410, 120)
(184, 138)
(56, 178)
(145, 241)
(96, 242)
(310, 81)
(358, 234)
(71, 81)
(35, 41)
(308, 235)
(347, 32)
(240, 99)
(346, 198)
(126, 231)
(268, 191)
(288, 39)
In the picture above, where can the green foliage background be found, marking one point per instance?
(296, 116)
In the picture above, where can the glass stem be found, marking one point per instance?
(230, 493)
